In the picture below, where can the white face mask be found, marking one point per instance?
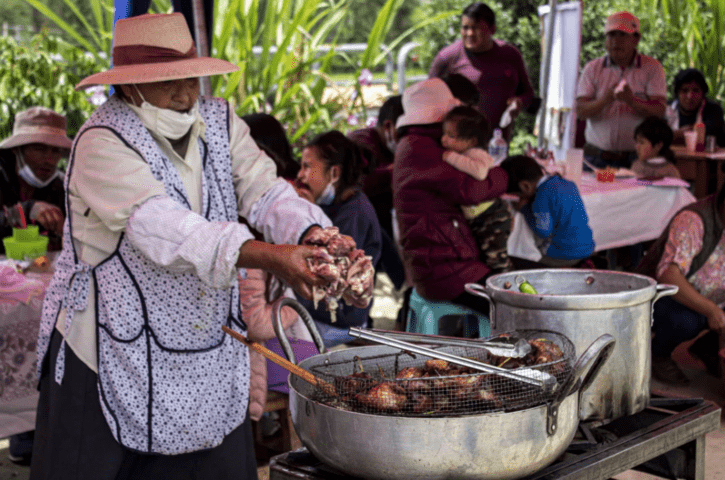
(167, 123)
(328, 194)
(390, 142)
(26, 173)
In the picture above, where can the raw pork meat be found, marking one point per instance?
(348, 271)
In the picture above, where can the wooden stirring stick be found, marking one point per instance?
(308, 377)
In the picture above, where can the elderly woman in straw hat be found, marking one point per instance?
(29, 174)
(137, 379)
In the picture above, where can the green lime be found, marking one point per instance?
(526, 287)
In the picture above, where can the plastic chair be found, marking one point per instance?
(424, 315)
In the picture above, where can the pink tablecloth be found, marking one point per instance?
(19, 324)
(624, 212)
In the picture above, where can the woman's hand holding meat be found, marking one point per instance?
(286, 262)
(347, 272)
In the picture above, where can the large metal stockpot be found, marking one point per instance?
(582, 305)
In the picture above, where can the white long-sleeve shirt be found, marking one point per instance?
(112, 191)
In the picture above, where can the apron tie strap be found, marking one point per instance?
(75, 299)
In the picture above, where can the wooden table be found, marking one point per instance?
(700, 168)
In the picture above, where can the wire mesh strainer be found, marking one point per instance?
(412, 384)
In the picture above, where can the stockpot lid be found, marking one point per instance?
(572, 289)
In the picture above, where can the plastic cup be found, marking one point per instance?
(691, 140)
(710, 143)
(25, 244)
(26, 234)
(574, 163)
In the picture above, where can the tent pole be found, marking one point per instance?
(545, 76)
(121, 10)
(202, 45)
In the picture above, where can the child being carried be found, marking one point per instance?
(465, 129)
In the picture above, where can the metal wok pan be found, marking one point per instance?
(495, 446)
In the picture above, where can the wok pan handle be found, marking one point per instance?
(584, 372)
(480, 290)
(306, 318)
(662, 290)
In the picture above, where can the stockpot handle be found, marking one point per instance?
(585, 369)
(662, 290)
(480, 290)
(306, 318)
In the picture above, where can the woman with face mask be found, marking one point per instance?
(331, 171)
(29, 173)
(156, 184)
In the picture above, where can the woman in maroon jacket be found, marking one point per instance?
(439, 250)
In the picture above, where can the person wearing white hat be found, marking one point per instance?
(137, 378)
(29, 174)
(617, 92)
(439, 250)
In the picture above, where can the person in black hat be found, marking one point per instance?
(691, 106)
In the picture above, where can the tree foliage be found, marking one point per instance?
(43, 72)
(291, 81)
(679, 33)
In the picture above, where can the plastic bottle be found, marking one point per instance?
(497, 147)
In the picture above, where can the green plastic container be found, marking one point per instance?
(25, 243)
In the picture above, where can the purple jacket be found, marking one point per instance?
(439, 251)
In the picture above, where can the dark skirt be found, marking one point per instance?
(73, 441)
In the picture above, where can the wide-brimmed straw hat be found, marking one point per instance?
(38, 125)
(155, 48)
(426, 102)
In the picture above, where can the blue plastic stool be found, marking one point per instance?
(424, 315)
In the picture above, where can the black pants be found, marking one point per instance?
(73, 441)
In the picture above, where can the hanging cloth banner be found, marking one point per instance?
(559, 86)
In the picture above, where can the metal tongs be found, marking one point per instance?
(532, 377)
(509, 347)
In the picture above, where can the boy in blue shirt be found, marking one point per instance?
(553, 210)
